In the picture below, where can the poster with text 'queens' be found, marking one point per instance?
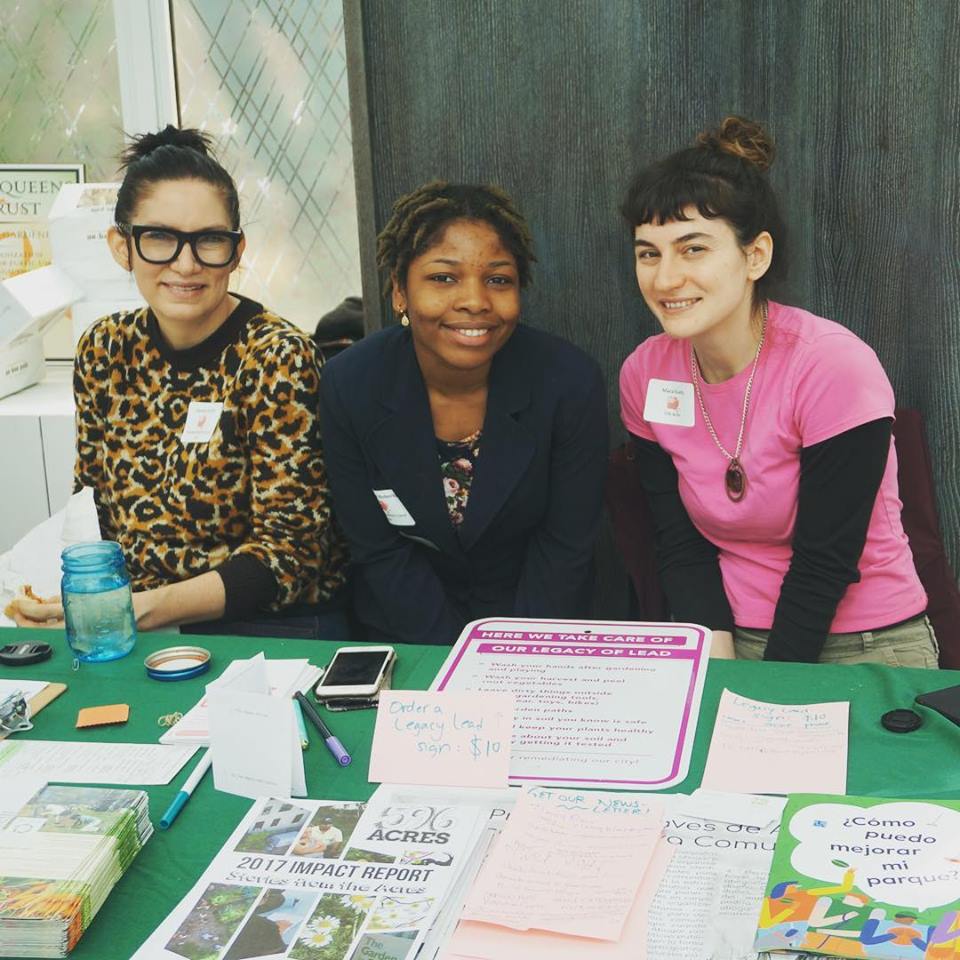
(606, 703)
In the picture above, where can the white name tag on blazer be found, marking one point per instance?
(202, 420)
(395, 512)
(669, 401)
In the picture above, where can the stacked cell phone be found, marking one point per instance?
(355, 676)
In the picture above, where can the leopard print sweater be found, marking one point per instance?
(254, 495)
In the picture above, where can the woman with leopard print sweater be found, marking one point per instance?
(197, 415)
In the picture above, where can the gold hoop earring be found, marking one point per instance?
(404, 319)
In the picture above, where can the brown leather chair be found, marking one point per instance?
(633, 533)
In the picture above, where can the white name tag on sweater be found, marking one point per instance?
(202, 420)
(669, 401)
(394, 510)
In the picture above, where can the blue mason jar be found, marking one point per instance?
(97, 603)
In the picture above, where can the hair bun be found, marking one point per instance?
(144, 144)
(741, 138)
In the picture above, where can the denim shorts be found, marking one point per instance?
(908, 644)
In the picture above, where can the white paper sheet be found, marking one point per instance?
(709, 900)
(750, 809)
(283, 678)
(598, 703)
(254, 740)
(568, 862)
(29, 688)
(65, 762)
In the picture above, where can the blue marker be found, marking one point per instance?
(180, 800)
(301, 726)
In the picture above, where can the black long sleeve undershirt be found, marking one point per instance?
(839, 480)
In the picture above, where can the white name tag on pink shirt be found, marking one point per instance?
(202, 420)
(669, 401)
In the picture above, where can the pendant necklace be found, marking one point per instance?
(735, 478)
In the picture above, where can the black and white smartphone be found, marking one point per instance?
(355, 672)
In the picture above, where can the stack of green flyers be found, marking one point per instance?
(60, 857)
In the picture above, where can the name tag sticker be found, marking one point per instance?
(395, 512)
(202, 420)
(669, 401)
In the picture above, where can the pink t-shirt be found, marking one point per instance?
(815, 379)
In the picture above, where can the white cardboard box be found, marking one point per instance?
(21, 363)
(78, 222)
(31, 301)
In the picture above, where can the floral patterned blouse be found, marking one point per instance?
(457, 460)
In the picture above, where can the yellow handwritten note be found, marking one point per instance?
(442, 739)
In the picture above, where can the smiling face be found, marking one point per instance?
(462, 296)
(189, 300)
(696, 277)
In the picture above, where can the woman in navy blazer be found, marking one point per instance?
(466, 453)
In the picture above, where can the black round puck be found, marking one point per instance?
(901, 721)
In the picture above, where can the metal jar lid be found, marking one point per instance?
(177, 663)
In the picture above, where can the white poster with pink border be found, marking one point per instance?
(598, 703)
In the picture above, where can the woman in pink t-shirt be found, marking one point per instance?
(763, 431)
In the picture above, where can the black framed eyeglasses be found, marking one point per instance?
(212, 248)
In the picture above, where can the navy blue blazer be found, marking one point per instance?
(526, 543)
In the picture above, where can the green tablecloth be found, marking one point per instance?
(925, 763)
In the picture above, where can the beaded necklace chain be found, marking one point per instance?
(735, 478)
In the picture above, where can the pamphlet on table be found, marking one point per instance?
(599, 703)
(865, 877)
(326, 880)
(60, 856)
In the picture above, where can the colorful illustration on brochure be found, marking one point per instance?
(864, 877)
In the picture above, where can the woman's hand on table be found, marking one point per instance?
(721, 646)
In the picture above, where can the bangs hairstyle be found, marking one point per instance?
(420, 217)
(723, 177)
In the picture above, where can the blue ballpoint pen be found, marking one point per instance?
(179, 801)
(333, 744)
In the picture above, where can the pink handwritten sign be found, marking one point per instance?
(442, 739)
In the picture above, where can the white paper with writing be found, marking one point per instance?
(567, 862)
(448, 739)
(779, 748)
(65, 762)
(254, 741)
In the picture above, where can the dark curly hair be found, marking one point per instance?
(724, 176)
(171, 154)
(420, 217)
